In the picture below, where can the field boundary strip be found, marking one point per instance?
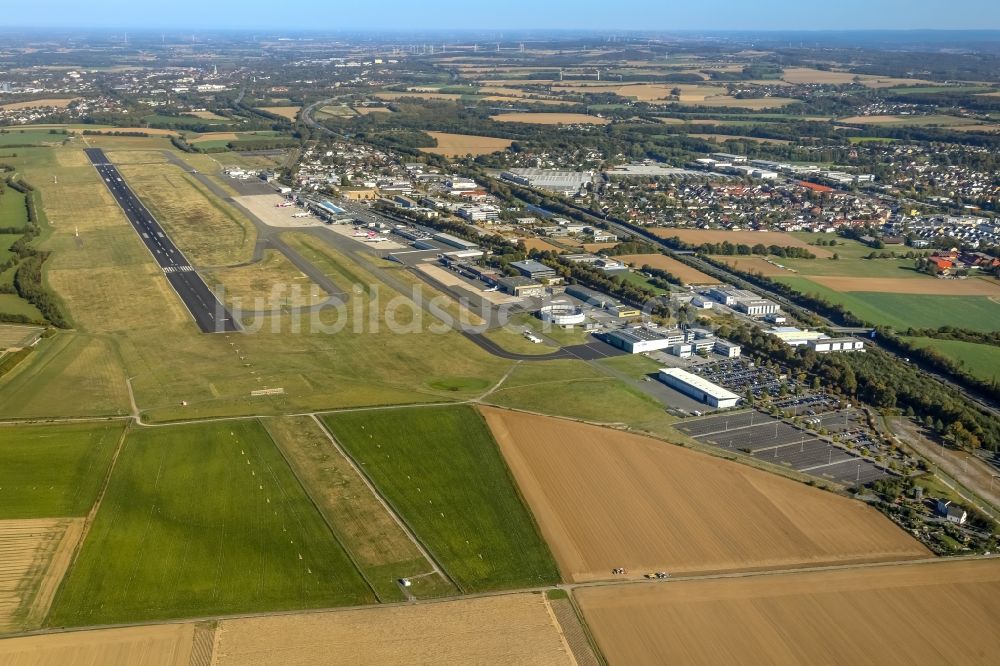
(386, 504)
(312, 500)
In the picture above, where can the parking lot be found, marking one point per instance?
(772, 440)
(741, 376)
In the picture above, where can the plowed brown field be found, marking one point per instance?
(605, 498)
(665, 263)
(512, 629)
(941, 612)
(968, 287)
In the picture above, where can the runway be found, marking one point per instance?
(208, 312)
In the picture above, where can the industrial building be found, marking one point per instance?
(793, 336)
(603, 264)
(639, 339)
(757, 307)
(589, 296)
(825, 345)
(521, 286)
(563, 182)
(698, 388)
(535, 270)
(454, 241)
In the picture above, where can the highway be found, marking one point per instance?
(208, 312)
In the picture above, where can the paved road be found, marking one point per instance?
(208, 312)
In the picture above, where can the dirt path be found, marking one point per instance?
(967, 469)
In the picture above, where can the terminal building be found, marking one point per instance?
(698, 388)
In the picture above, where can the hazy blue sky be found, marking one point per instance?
(510, 14)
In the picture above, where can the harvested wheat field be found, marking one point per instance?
(34, 555)
(161, 645)
(59, 103)
(541, 245)
(664, 263)
(605, 498)
(459, 145)
(936, 612)
(206, 115)
(289, 112)
(214, 136)
(699, 236)
(753, 265)
(542, 118)
(940, 287)
(492, 630)
(365, 110)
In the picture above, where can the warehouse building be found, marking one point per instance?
(757, 307)
(826, 345)
(698, 388)
(454, 241)
(638, 340)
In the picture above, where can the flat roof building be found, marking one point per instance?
(826, 345)
(533, 269)
(589, 296)
(639, 339)
(698, 388)
(521, 286)
(454, 241)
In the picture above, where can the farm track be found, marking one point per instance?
(569, 587)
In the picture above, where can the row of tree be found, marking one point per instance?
(879, 379)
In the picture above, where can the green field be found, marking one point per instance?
(441, 470)
(29, 137)
(922, 90)
(902, 311)
(13, 213)
(200, 520)
(6, 240)
(54, 471)
(979, 360)
(14, 304)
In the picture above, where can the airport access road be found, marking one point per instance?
(208, 312)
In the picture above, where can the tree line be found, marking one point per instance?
(28, 283)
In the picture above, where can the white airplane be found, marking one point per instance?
(285, 204)
(360, 234)
(494, 288)
(375, 239)
(303, 214)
